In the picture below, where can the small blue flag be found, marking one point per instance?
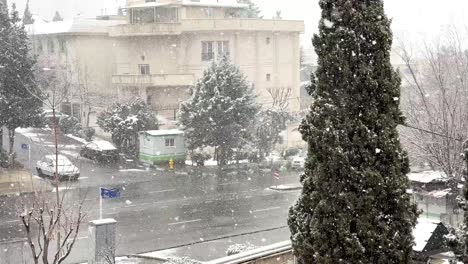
(110, 193)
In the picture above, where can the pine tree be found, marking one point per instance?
(18, 105)
(353, 207)
(221, 111)
(57, 17)
(27, 16)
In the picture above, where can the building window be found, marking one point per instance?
(268, 77)
(62, 45)
(207, 50)
(209, 12)
(223, 48)
(51, 46)
(144, 69)
(170, 142)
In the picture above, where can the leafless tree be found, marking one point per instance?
(52, 219)
(45, 221)
(435, 93)
(280, 96)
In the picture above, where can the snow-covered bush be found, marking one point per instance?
(89, 133)
(199, 157)
(238, 248)
(124, 121)
(69, 125)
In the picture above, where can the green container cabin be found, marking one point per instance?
(160, 146)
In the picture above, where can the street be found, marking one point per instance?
(157, 209)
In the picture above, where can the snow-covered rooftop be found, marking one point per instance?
(164, 132)
(423, 232)
(76, 25)
(427, 176)
(205, 3)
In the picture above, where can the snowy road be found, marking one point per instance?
(159, 210)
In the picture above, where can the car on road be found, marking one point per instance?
(101, 151)
(298, 163)
(47, 166)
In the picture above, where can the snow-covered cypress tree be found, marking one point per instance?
(27, 16)
(221, 111)
(354, 207)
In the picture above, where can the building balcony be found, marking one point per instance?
(206, 25)
(161, 80)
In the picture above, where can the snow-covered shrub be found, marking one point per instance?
(183, 260)
(69, 125)
(199, 157)
(124, 121)
(89, 133)
(238, 248)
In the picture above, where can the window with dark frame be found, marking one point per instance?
(144, 69)
(170, 142)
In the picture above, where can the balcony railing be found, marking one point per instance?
(206, 25)
(154, 79)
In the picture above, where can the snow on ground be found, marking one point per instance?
(212, 162)
(132, 170)
(69, 153)
(29, 132)
(285, 187)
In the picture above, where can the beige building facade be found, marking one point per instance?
(158, 49)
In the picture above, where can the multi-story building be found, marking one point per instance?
(160, 48)
(166, 45)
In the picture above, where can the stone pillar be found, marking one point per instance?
(101, 241)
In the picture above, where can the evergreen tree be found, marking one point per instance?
(18, 106)
(57, 17)
(353, 207)
(27, 16)
(253, 11)
(221, 111)
(460, 245)
(124, 121)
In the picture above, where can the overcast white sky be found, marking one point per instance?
(415, 18)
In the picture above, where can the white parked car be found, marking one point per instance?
(66, 170)
(298, 163)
